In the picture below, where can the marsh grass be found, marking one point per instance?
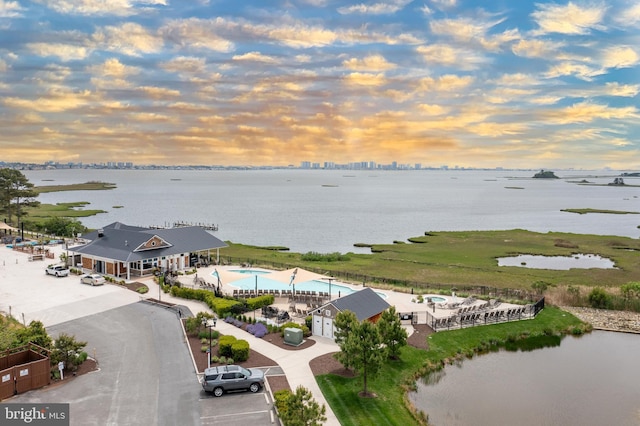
(441, 260)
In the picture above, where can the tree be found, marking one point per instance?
(67, 350)
(15, 186)
(34, 333)
(63, 226)
(344, 323)
(300, 409)
(361, 348)
(392, 334)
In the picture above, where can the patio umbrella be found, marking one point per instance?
(296, 276)
(7, 227)
(228, 277)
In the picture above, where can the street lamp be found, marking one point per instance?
(330, 279)
(209, 324)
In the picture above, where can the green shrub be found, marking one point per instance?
(225, 344)
(215, 359)
(204, 340)
(204, 348)
(222, 360)
(142, 290)
(240, 350)
(305, 330)
(313, 256)
(598, 298)
(204, 334)
(281, 397)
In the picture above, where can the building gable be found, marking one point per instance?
(365, 304)
(152, 243)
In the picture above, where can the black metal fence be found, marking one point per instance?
(413, 286)
(471, 316)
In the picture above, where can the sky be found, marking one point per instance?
(514, 84)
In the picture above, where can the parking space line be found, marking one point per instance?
(233, 415)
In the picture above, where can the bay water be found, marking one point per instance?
(331, 210)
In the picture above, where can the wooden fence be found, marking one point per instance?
(23, 368)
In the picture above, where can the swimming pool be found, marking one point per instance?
(260, 279)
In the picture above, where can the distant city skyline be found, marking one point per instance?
(529, 84)
(304, 165)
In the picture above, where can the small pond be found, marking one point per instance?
(576, 261)
(590, 380)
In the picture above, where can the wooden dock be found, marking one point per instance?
(180, 224)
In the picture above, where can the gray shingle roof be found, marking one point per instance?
(119, 241)
(364, 303)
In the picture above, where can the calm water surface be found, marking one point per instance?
(590, 380)
(292, 208)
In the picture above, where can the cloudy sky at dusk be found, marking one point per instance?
(531, 84)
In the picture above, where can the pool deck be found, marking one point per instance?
(403, 301)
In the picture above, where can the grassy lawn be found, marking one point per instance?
(397, 377)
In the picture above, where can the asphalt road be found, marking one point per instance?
(146, 376)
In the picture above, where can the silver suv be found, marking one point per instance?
(231, 377)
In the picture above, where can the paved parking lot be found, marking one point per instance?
(236, 409)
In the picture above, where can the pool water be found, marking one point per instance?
(436, 299)
(260, 280)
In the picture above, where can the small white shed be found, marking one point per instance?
(366, 304)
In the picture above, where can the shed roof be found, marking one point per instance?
(365, 303)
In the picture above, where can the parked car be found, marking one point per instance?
(219, 380)
(92, 279)
(57, 270)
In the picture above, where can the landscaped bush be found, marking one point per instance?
(240, 350)
(258, 329)
(224, 345)
(305, 330)
(219, 305)
(204, 334)
(281, 397)
(254, 303)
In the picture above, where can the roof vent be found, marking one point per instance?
(100, 233)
